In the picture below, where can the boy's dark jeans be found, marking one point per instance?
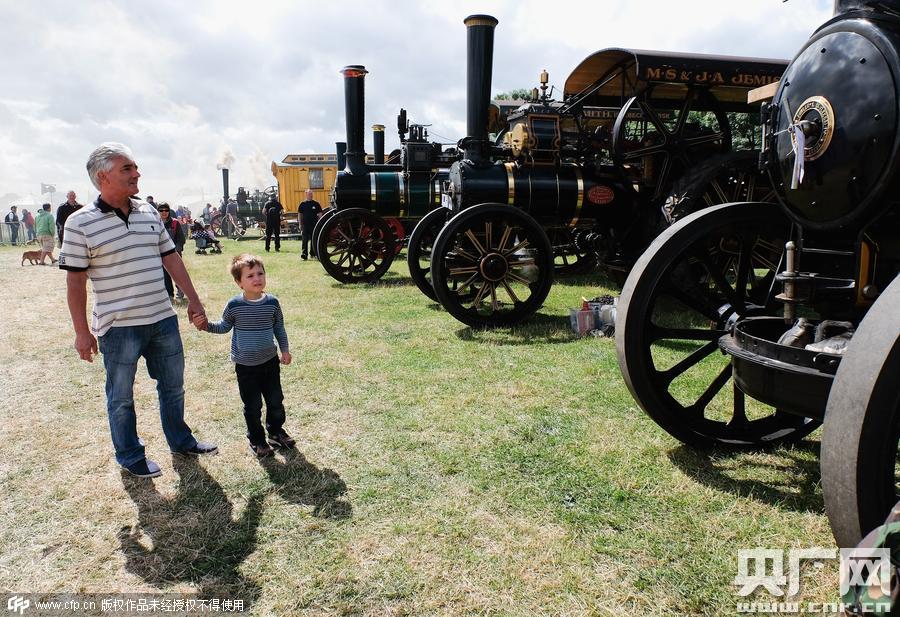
(255, 384)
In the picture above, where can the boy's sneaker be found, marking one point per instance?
(201, 448)
(261, 450)
(282, 439)
(143, 469)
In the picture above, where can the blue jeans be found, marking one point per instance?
(160, 345)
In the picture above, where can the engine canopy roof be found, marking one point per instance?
(608, 75)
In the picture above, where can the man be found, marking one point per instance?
(64, 211)
(121, 244)
(231, 213)
(272, 211)
(45, 228)
(207, 214)
(310, 212)
(12, 223)
(151, 201)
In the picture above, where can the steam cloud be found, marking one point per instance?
(261, 169)
(226, 160)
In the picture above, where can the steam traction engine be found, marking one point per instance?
(749, 324)
(373, 206)
(582, 178)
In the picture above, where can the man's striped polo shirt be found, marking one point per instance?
(123, 258)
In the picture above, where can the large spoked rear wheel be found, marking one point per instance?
(418, 252)
(685, 292)
(356, 246)
(862, 426)
(668, 143)
(317, 229)
(492, 266)
(720, 179)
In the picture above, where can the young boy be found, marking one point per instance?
(258, 322)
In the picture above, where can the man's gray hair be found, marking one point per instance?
(101, 159)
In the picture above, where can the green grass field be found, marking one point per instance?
(439, 470)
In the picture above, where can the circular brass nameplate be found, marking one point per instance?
(820, 105)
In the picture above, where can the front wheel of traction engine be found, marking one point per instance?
(356, 246)
(492, 266)
(419, 250)
(317, 229)
(685, 292)
(862, 426)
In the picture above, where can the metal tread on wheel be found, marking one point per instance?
(419, 250)
(688, 289)
(862, 425)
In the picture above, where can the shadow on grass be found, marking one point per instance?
(784, 477)
(193, 537)
(388, 279)
(299, 481)
(539, 328)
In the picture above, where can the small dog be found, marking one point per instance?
(33, 257)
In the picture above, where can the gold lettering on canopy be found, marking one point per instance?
(749, 80)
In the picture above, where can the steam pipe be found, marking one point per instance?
(355, 113)
(378, 143)
(480, 59)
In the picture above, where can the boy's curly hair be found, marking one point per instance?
(244, 260)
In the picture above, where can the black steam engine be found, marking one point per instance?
(374, 206)
(748, 324)
(639, 139)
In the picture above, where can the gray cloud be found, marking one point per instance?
(179, 82)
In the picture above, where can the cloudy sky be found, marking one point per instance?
(184, 83)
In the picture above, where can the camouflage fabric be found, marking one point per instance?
(870, 599)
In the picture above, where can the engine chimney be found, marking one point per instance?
(341, 148)
(355, 111)
(480, 59)
(225, 183)
(378, 143)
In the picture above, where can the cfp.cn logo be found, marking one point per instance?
(17, 604)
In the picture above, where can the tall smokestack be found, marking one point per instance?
(480, 59)
(341, 147)
(378, 143)
(225, 183)
(355, 112)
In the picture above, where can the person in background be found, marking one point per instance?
(207, 214)
(310, 212)
(178, 235)
(12, 224)
(64, 211)
(152, 201)
(45, 227)
(272, 211)
(28, 222)
(119, 243)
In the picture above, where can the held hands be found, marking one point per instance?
(286, 357)
(197, 314)
(86, 346)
